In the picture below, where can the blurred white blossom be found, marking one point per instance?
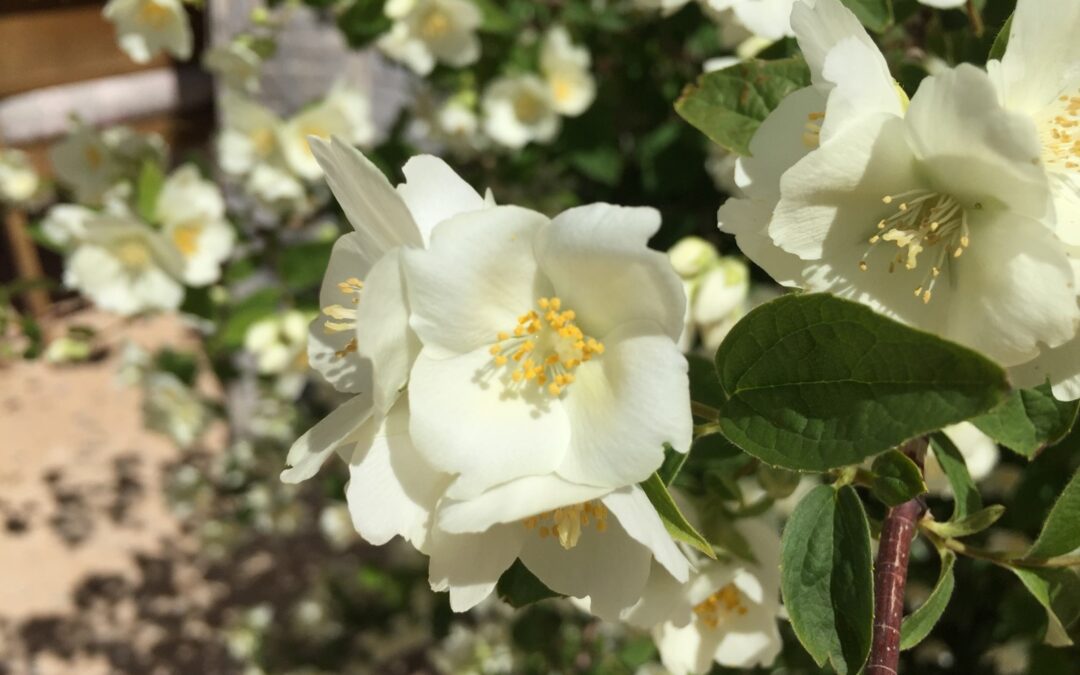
(172, 408)
(518, 110)
(426, 32)
(19, 180)
(146, 27)
(565, 66)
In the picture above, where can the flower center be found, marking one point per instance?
(720, 605)
(435, 25)
(811, 136)
(263, 141)
(133, 254)
(153, 14)
(545, 349)
(528, 108)
(344, 318)
(1060, 133)
(924, 220)
(562, 88)
(567, 522)
(186, 238)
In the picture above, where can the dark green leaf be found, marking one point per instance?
(1061, 532)
(966, 499)
(1029, 420)
(495, 19)
(672, 517)
(997, 50)
(303, 265)
(147, 189)
(519, 587)
(815, 382)
(1058, 591)
(704, 382)
(897, 479)
(876, 15)
(917, 625)
(827, 577)
(363, 21)
(729, 105)
(777, 483)
(968, 525)
(181, 364)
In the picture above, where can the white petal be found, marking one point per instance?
(309, 451)
(1042, 53)
(392, 490)
(497, 435)
(685, 650)
(820, 26)
(514, 501)
(1061, 366)
(477, 276)
(662, 601)
(345, 370)
(370, 203)
(748, 220)
(433, 192)
(383, 335)
(624, 405)
(778, 144)
(974, 149)
(863, 86)
(609, 567)
(639, 518)
(599, 263)
(469, 565)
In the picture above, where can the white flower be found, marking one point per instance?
(345, 113)
(430, 31)
(579, 540)
(279, 343)
(249, 134)
(549, 345)
(850, 80)
(19, 181)
(720, 300)
(458, 126)
(979, 451)
(692, 256)
(146, 27)
(275, 185)
(65, 224)
(85, 163)
(191, 212)
(726, 613)
(768, 19)
(125, 267)
(937, 219)
(519, 110)
(237, 64)
(566, 69)
(172, 408)
(1039, 75)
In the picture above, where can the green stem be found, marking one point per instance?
(705, 411)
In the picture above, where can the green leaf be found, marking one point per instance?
(897, 479)
(704, 382)
(1058, 591)
(1029, 420)
(519, 587)
(968, 525)
(966, 498)
(672, 517)
(363, 21)
(183, 365)
(827, 577)
(1061, 531)
(494, 18)
(729, 105)
(997, 50)
(876, 15)
(814, 382)
(147, 188)
(917, 625)
(673, 464)
(249, 310)
(777, 483)
(303, 265)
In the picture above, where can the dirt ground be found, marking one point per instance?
(95, 572)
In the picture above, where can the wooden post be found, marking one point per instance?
(27, 261)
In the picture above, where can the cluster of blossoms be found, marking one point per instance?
(717, 292)
(133, 252)
(146, 27)
(550, 346)
(955, 212)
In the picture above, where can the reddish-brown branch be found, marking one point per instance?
(890, 575)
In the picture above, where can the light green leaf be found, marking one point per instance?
(672, 517)
(673, 464)
(968, 525)
(519, 587)
(147, 188)
(814, 382)
(1058, 591)
(917, 625)
(877, 15)
(729, 105)
(997, 50)
(897, 479)
(1061, 531)
(1029, 420)
(827, 577)
(966, 498)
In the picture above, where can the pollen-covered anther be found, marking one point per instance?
(1060, 134)
(545, 347)
(721, 604)
(567, 522)
(924, 221)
